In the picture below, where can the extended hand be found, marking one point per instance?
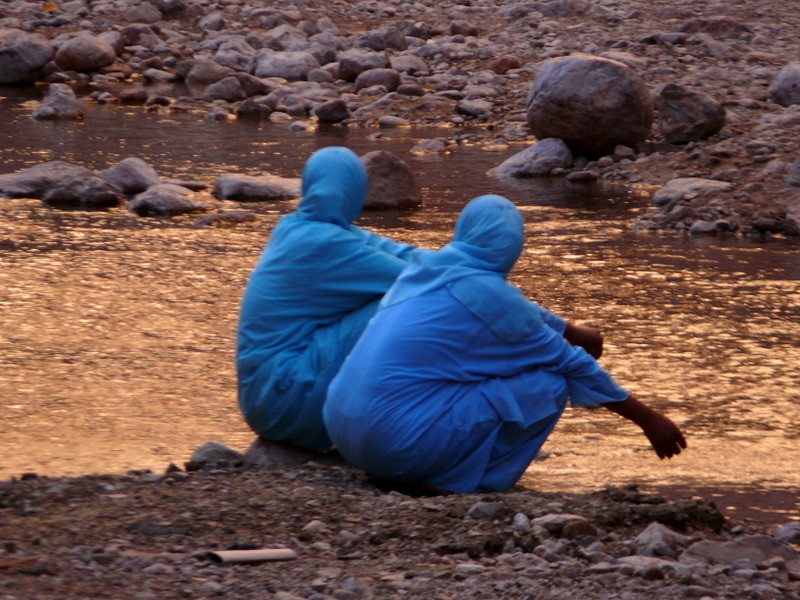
(665, 437)
(588, 338)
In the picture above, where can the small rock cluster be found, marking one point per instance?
(391, 186)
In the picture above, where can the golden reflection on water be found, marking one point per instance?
(116, 332)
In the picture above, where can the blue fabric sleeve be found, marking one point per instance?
(552, 320)
(384, 244)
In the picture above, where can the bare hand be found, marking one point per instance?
(588, 338)
(665, 437)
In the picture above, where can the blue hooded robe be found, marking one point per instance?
(459, 379)
(316, 285)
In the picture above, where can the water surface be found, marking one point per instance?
(116, 331)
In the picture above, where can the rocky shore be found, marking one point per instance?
(707, 115)
(146, 535)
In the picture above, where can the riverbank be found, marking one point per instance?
(146, 535)
(461, 64)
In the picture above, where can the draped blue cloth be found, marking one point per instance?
(315, 286)
(458, 379)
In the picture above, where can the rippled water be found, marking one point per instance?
(116, 332)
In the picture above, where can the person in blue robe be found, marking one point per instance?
(315, 286)
(458, 379)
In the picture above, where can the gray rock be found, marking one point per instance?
(35, 181)
(264, 454)
(785, 88)
(164, 199)
(168, 6)
(224, 218)
(755, 548)
(132, 175)
(388, 78)
(332, 111)
(355, 61)
(716, 27)
(474, 108)
(387, 37)
(791, 226)
(788, 532)
(537, 160)
(145, 12)
(591, 103)
(793, 173)
(409, 64)
(85, 191)
(234, 53)
(206, 71)
(158, 76)
(283, 37)
(660, 540)
(213, 21)
(228, 89)
(23, 56)
(139, 34)
(391, 183)
(85, 54)
(686, 116)
(687, 188)
(521, 524)
(556, 523)
(288, 65)
(255, 188)
(260, 107)
(486, 510)
(60, 103)
(214, 452)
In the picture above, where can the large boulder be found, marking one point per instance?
(36, 181)
(687, 116)
(391, 183)
(60, 103)
(85, 54)
(23, 55)
(594, 104)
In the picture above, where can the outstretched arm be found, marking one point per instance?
(665, 437)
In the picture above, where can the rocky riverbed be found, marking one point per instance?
(145, 536)
(721, 76)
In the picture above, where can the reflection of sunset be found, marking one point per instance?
(116, 332)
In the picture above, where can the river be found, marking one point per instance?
(116, 331)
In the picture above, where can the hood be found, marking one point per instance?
(334, 187)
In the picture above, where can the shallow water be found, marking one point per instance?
(116, 332)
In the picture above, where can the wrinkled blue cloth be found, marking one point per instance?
(459, 379)
(317, 283)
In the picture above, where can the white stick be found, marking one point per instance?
(258, 555)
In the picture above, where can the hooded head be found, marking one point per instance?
(334, 186)
(488, 240)
(491, 232)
